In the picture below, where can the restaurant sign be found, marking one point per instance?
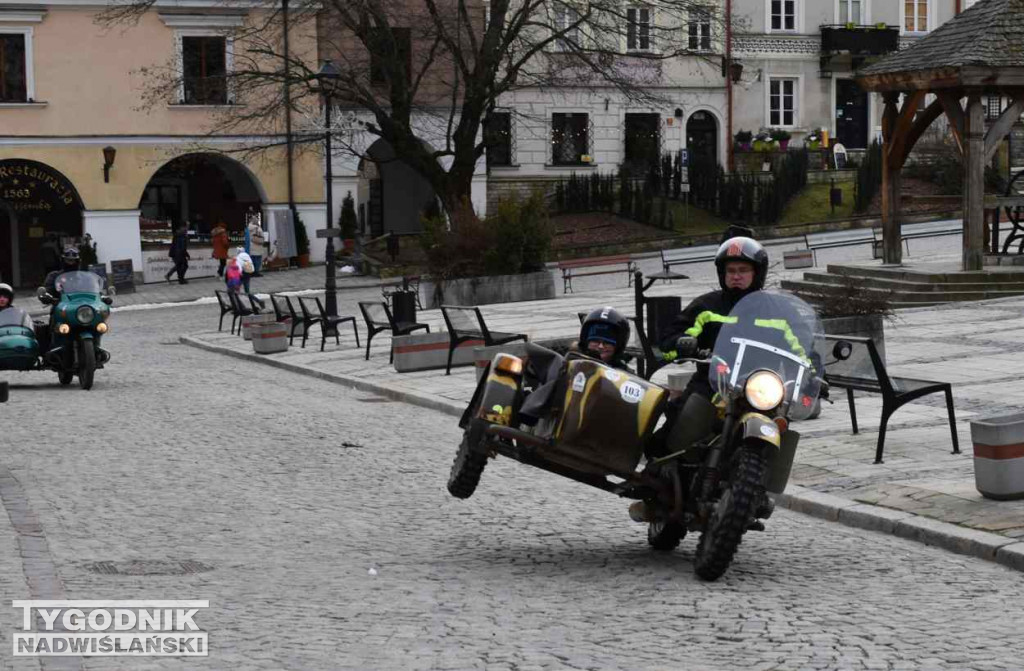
(28, 186)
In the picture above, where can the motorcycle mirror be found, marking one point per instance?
(108, 300)
(43, 296)
(842, 350)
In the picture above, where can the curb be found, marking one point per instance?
(992, 547)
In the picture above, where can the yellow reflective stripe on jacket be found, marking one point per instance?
(705, 317)
(787, 333)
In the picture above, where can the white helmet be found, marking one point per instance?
(8, 290)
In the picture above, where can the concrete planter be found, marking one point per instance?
(798, 258)
(486, 290)
(999, 456)
(250, 321)
(430, 351)
(270, 338)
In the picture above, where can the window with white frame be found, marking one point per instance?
(13, 67)
(782, 101)
(204, 69)
(638, 28)
(699, 28)
(782, 14)
(915, 16)
(851, 11)
(567, 21)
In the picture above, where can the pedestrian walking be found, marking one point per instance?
(219, 238)
(179, 255)
(256, 244)
(233, 275)
(245, 264)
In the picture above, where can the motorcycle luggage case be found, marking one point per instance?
(607, 417)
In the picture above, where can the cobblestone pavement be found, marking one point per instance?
(291, 489)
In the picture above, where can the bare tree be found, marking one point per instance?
(406, 65)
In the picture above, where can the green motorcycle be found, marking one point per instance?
(78, 320)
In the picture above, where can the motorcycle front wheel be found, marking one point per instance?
(730, 517)
(86, 363)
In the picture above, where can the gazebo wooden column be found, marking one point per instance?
(901, 127)
(974, 183)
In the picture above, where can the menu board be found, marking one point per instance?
(123, 276)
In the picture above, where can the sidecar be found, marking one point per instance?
(19, 349)
(584, 420)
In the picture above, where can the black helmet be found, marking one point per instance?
(743, 249)
(70, 256)
(7, 290)
(605, 324)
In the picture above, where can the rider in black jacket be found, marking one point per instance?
(742, 265)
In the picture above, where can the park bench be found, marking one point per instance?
(850, 238)
(313, 313)
(465, 324)
(928, 229)
(378, 318)
(573, 268)
(865, 371)
(242, 305)
(684, 255)
(227, 307)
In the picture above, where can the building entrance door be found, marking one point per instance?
(851, 114)
(702, 138)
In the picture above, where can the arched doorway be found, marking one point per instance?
(702, 137)
(40, 212)
(198, 190)
(397, 195)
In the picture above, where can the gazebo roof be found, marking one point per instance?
(988, 36)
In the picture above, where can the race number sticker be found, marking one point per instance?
(631, 392)
(579, 382)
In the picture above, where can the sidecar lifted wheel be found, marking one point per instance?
(467, 468)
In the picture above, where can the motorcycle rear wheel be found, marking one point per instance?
(730, 517)
(86, 364)
(468, 465)
(665, 536)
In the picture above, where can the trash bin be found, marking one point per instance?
(403, 306)
(999, 456)
(661, 310)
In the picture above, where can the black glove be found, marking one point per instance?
(686, 346)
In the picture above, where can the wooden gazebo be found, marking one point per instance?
(980, 52)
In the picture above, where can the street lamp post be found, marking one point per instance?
(327, 75)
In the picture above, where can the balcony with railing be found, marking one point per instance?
(848, 46)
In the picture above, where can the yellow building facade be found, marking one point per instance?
(112, 132)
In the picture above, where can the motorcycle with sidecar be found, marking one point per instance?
(579, 418)
(71, 344)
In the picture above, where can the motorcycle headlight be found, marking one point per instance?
(63, 329)
(101, 327)
(85, 314)
(764, 390)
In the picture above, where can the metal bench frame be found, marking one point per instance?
(568, 267)
(374, 327)
(458, 336)
(226, 307)
(887, 386)
(684, 255)
(327, 323)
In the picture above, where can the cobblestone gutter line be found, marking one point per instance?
(37, 562)
(992, 547)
